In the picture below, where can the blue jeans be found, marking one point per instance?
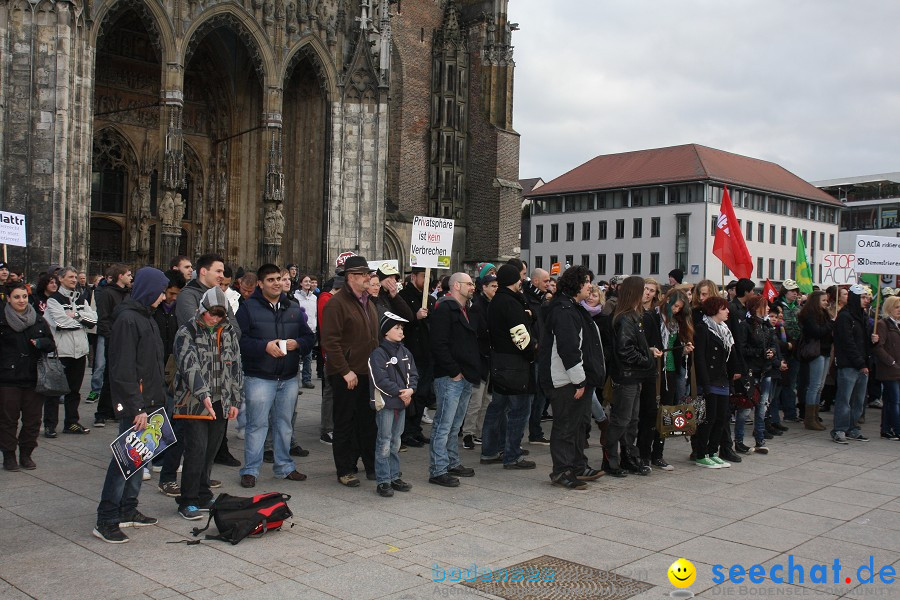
(306, 371)
(759, 414)
(262, 396)
(511, 411)
(99, 365)
(818, 369)
(788, 400)
(597, 409)
(119, 496)
(452, 402)
(890, 412)
(849, 400)
(387, 444)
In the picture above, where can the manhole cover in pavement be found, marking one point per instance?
(548, 577)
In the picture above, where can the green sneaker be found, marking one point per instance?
(92, 397)
(706, 462)
(722, 464)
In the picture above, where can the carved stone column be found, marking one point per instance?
(171, 207)
(273, 195)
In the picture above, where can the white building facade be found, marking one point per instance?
(648, 230)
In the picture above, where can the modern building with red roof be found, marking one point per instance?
(650, 211)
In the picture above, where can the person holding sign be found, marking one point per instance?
(137, 380)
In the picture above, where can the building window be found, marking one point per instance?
(784, 236)
(682, 237)
(781, 271)
(821, 240)
(654, 263)
(538, 234)
(712, 225)
(620, 229)
(771, 234)
(601, 230)
(654, 227)
(761, 233)
(638, 228)
(554, 232)
(749, 231)
(771, 268)
(812, 240)
(570, 232)
(794, 237)
(636, 263)
(586, 260)
(586, 230)
(793, 269)
(759, 267)
(569, 260)
(538, 262)
(831, 242)
(620, 264)
(553, 259)
(601, 264)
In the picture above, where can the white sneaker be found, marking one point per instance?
(425, 418)
(156, 468)
(147, 475)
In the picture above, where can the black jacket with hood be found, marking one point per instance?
(851, 331)
(632, 352)
(570, 351)
(136, 366)
(508, 315)
(454, 342)
(107, 300)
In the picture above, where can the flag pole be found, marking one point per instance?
(723, 280)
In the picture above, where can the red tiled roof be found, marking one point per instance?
(690, 162)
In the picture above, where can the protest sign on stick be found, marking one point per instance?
(432, 242)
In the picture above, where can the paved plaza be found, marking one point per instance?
(809, 498)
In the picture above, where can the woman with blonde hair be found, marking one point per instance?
(887, 355)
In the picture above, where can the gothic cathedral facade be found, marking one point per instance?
(265, 130)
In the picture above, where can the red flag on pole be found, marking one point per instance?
(769, 292)
(729, 246)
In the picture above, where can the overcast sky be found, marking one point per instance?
(813, 85)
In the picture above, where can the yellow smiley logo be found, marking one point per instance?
(682, 573)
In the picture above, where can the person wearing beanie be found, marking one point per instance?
(137, 380)
(393, 379)
(851, 355)
(513, 347)
(208, 385)
(676, 277)
(457, 368)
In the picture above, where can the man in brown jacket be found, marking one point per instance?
(349, 334)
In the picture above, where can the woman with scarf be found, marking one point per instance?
(593, 304)
(716, 365)
(677, 336)
(762, 356)
(24, 337)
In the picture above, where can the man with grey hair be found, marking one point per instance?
(535, 293)
(457, 367)
(69, 315)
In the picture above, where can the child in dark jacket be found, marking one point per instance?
(392, 371)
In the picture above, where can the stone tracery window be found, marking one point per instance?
(109, 176)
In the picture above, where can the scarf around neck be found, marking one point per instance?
(722, 332)
(592, 310)
(20, 322)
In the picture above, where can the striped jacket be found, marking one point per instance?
(209, 365)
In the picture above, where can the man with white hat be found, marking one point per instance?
(851, 357)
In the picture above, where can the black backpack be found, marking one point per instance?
(238, 517)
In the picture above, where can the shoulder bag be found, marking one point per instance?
(51, 377)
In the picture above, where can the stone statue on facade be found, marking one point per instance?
(167, 209)
(145, 238)
(179, 209)
(145, 199)
(291, 17)
(223, 191)
(220, 235)
(133, 237)
(273, 225)
(198, 239)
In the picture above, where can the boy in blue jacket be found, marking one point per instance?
(392, 371)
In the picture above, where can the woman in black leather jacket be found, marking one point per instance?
(763, 357)
(634, 362)
(716, 363)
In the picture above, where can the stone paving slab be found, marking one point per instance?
(809, 498)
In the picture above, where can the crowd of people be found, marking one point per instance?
(484, 358)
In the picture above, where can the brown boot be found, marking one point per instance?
(809, 420)
(817, 419)
(25, 460)
(9, 461)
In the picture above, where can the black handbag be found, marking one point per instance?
(809, 349)
(510, 372)
(51, 377)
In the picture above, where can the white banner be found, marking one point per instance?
(877, 254)
(432, 241)
(12, 229)
(393, 262)
(838, 269)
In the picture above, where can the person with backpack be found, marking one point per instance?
(393, 377)
(137, 380)
(208, 389)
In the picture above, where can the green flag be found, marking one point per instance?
(873, 280)
(803, 275)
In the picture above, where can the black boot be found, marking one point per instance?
(9, 461)
(25, 460)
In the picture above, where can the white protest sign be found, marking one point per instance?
(12, 229)
(838, 269)
(432, 241)
(377, 264)
(877, 254)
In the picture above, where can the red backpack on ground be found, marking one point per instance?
(238, 517)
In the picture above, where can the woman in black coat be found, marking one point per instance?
(24, 337)
(715, 363)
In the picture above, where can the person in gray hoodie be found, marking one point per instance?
(394, 378)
